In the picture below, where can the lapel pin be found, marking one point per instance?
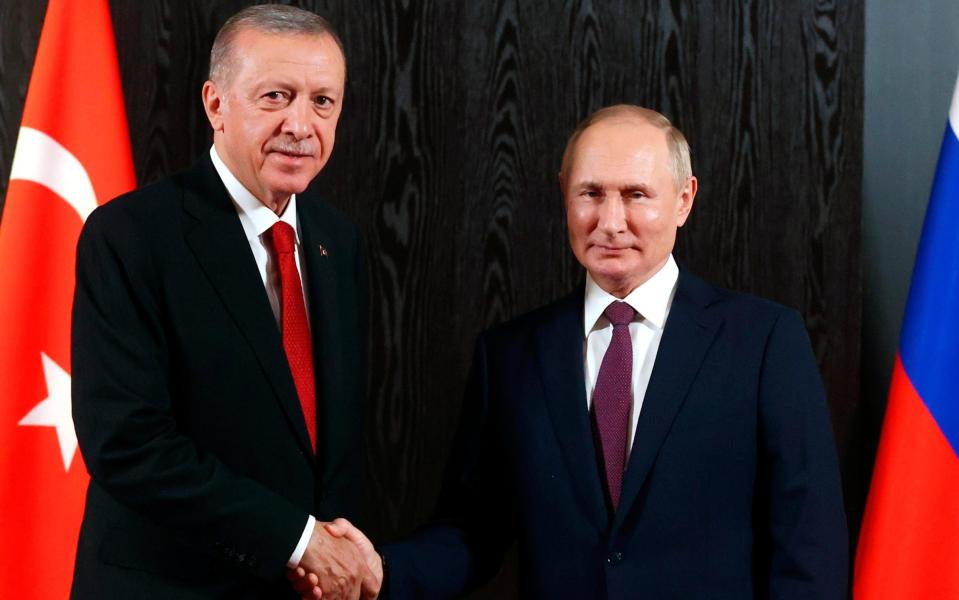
(323, 251)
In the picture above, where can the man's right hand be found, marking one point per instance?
(373, 582)
(336, 566)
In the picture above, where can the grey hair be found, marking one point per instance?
(680, 164)
(275, 19)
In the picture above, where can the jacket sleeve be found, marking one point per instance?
(799, 472)
(122, 410)
(474, 523)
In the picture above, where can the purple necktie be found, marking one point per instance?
(613, 397)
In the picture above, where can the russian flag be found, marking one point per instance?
(909, 545)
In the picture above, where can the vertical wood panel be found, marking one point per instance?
(447, 155)
(20, 24)
(396, 178)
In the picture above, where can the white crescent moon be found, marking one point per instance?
(41, 159)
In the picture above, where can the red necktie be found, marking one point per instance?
(296, 331)
(613, 397)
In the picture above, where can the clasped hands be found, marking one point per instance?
(339, 562)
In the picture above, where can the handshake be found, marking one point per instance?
(339, 562)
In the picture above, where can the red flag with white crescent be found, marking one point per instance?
(72, 153)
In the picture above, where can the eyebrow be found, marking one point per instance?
(588, 184)
(629, 187)
(273, 82)
(324, 89)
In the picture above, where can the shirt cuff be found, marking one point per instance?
(300, 549)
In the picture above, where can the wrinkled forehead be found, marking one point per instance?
(622, 130)
(254, 53)
(621, 140)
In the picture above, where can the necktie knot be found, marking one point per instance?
(619, 313)
(283, 237)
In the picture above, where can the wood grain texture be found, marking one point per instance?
(20, 24)
(392, 168)
(447, 156)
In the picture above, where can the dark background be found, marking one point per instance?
(456, 116)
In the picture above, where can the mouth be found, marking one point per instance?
(610, 249)
(293, 153)
(288, 157)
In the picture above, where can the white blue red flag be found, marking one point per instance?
(909, 544)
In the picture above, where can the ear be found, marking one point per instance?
(213, 104)
(686, 197)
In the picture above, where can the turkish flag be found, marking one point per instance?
(72, 153)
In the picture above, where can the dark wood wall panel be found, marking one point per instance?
(20, 24)
(448, 152)
(397, 142)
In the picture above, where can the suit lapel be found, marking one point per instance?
(321, 254)
(559, 350)
(687, 336)
(220, 246)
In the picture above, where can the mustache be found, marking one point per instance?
(296, 148)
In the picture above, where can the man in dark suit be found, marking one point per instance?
(649, 435)
(219, 334)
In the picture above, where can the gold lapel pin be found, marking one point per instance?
(323, 251)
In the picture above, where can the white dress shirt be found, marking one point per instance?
(651, 301)
(257, 219)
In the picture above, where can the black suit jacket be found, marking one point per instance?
(202, 474)
(731, 490)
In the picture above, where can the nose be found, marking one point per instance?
(298, 118)
(612, 215)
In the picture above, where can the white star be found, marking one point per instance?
(54, 410)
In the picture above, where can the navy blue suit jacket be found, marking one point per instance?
(732, 487)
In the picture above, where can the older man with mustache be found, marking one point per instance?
(218, 344)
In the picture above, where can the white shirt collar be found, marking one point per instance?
(651, 300)
(255, 216)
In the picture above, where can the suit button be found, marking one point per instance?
(614, 558)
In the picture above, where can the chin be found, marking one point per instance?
(618, 273)
(287, 186)
(613, 269)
